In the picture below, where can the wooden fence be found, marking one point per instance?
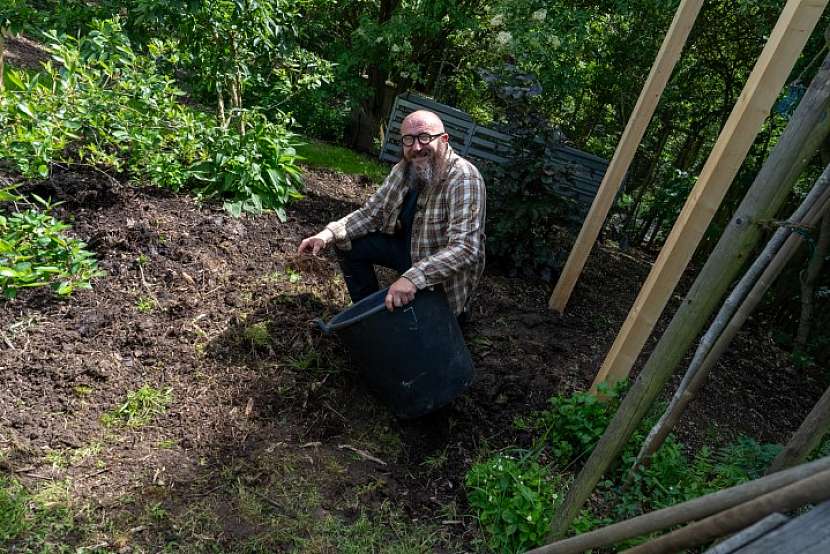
(582, 171)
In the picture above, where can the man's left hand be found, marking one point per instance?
(401, 292)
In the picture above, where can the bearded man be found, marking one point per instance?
(426, 222)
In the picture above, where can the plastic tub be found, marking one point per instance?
(414, 358)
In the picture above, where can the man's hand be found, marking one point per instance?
(401, 292)
(316, 243)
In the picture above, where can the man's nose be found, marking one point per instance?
(417, 146)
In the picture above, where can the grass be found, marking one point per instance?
(141, 407)
(343, 160)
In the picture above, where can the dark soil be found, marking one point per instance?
(246, 402)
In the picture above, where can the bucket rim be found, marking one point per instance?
(334, 325)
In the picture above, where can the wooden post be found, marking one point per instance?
(811, 490)
(740, 303)
(666, 59)
(790, 33)
(764, 83)
(808, 436)
(691, 510)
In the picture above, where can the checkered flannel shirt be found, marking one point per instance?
(447, 233)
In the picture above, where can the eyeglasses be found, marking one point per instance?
(423, 138)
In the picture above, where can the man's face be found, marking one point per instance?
(424, 158)
(421, 153)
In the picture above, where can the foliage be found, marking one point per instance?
(253, 172)
(513, 500)
(140, 407)
(105, 106)
(27, 518)
(573, 424)
(35, 251)
(115, 110)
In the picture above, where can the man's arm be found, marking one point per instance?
(367, 218)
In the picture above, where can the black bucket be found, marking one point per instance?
(414, 358)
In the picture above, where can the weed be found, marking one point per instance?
(167, 444)
(140, 408)
(513, 500)
(145, 304)
(82, 391)
(437, 461)
(257, 334)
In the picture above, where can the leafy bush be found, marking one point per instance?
(254, 172)
(525, 212)
(513, 501)
(111, 108)
(35, 251)
(572, 425)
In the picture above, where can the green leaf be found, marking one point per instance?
(25, 109)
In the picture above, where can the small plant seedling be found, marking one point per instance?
(145, 304)
(257, 334)
(140, 408)
(82, 391)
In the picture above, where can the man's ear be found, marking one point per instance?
(445, 138)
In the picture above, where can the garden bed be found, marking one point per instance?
(270, 439)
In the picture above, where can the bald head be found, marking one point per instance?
(422, 121)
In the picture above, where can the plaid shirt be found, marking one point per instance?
(447, 233)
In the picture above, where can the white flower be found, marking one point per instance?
(395, 49)
(504, 38)
(539, 15)
(497, 21)
(529, 518)
(378, 40)
(555, 42)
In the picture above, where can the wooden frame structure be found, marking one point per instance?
(667, 57)
(786, 41)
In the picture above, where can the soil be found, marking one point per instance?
(186, 296)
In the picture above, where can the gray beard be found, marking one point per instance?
(421, 176)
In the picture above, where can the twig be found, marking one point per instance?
(362, 453)
(7, 341)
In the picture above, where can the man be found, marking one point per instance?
(426, 222)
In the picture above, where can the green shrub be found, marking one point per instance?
(513, 501)
(113, 109)
(254, 172)
(573, 424)
(35, 251)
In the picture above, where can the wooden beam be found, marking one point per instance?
(795, 23)
(786, 41)
(685, 512)
(666, 59)
(808, 436)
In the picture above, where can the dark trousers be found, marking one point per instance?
(373, 249)
(376, 248)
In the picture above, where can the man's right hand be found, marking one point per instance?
(316, 243)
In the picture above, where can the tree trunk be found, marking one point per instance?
(806, 130)
(2, 60)
(808, 283)
(366, 117)
(807, 437)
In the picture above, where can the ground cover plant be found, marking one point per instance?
(36, 251)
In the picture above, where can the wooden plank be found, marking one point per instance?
(751, 533)
(805, 534)
(666, 59)
(787, 38)
(791, 32)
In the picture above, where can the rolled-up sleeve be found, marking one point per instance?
(367, 218)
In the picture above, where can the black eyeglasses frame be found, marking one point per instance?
(423, 138)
